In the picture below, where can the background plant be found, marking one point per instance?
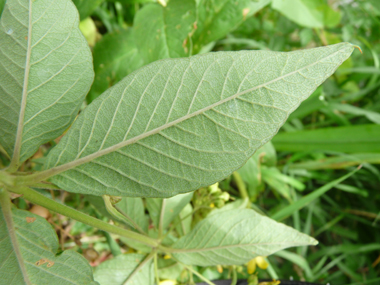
(278, 185)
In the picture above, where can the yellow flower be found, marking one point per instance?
(257, 261)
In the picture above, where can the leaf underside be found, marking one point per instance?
(45, 71)
(234, 237)
(38, 245)
(178, 124)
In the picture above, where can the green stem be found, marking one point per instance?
(7, 179)
(7, 214)
(234, 276)
(54, 206)
(241, 186)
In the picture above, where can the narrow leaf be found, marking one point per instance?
(235, 237)
(28, 251)
(125, 269)
(350, 139)
(176, 125)
(305, 200)
(45, 72)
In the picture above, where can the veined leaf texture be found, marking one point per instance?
(178, 124)
(45, 70)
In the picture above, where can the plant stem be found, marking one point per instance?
(234, 276)
(62, 209)
(241, 186)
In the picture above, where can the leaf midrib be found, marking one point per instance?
(20, 126)
(182, 250)
(64, 167)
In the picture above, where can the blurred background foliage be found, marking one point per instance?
(304, 177)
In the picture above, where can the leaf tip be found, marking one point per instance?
(358, 47)
(313, 241)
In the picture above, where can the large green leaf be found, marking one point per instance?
(115, 56)
(44, 77)
(162, 32)
(215, 19)
(234, 237)
(28, 251)
(134, 268)
(85, 7)
(308, 13)
(178, 124)
(349, 139)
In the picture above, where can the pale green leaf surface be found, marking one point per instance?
(44, 77)
(115, 56)
(235, 237)
(117, 270)
(166, 209)
(86, 7)
(179, 124)
(215, 19)
(37, 240)
(162, 32)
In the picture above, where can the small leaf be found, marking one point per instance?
(45, 71)
(162, 32)
(119, 269)
(172, 208)
(235, 237)
(28, 252)
(176, 125)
